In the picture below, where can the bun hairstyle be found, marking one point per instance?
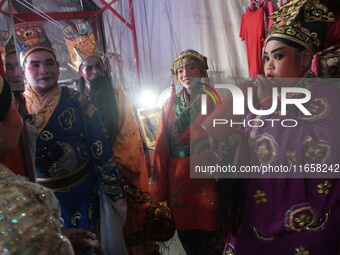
(5, 98)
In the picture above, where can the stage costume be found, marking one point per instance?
(123, 133)
(194, 203)
(29, 214)
(73, 155)
(253, 32)
(76, 163)
(295, 216)
(300, 214)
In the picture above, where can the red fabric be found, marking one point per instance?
(193, 202)
(269, 9)
(13, 160)
(253, 32)
(333, 31)
(2, 70)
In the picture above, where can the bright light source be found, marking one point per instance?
(147, 99)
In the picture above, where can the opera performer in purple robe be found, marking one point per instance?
(298, 215)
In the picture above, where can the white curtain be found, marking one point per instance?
(164, 28)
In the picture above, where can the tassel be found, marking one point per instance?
(173, 88)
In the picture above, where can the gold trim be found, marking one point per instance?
(291, 38)
(259, 237)
(67, 188)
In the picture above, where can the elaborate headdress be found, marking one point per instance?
(31, 36)
(301, 22)
(81, 43)
(188, 57)
(5, 98)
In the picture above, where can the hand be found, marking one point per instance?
(264, 87)
(83, 241)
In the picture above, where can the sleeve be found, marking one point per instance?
(313, 143)
(307, 139)
(159, 188)
(128, 147)
(102, 160)
(110, 182)
(243, 27)
(112, 220)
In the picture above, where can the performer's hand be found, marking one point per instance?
(83, 241)
(264, 87)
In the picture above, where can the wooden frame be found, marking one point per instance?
(149, 121)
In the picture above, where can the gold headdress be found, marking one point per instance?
(31, 36)
(81, 43)
(190, 56)
(301, 22)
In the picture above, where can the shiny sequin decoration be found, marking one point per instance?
(56, 159)
(25, 217)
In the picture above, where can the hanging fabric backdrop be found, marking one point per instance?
(165, 28)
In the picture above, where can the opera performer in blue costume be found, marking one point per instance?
(73, 155)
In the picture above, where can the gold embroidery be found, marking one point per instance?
(318, 107)
(316, 151)
(262, 150)
(260, 197)
(66, 118)
(323, 188)
(41, 109)
(290, 157)
(301, 251)
(266, 149)
(303, 220)
(90, 110)
(208, 190)
(299, 217)
(82, 100)
(320, 225)
(262, 238)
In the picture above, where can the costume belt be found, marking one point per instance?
(181, 150)
(67, 181)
